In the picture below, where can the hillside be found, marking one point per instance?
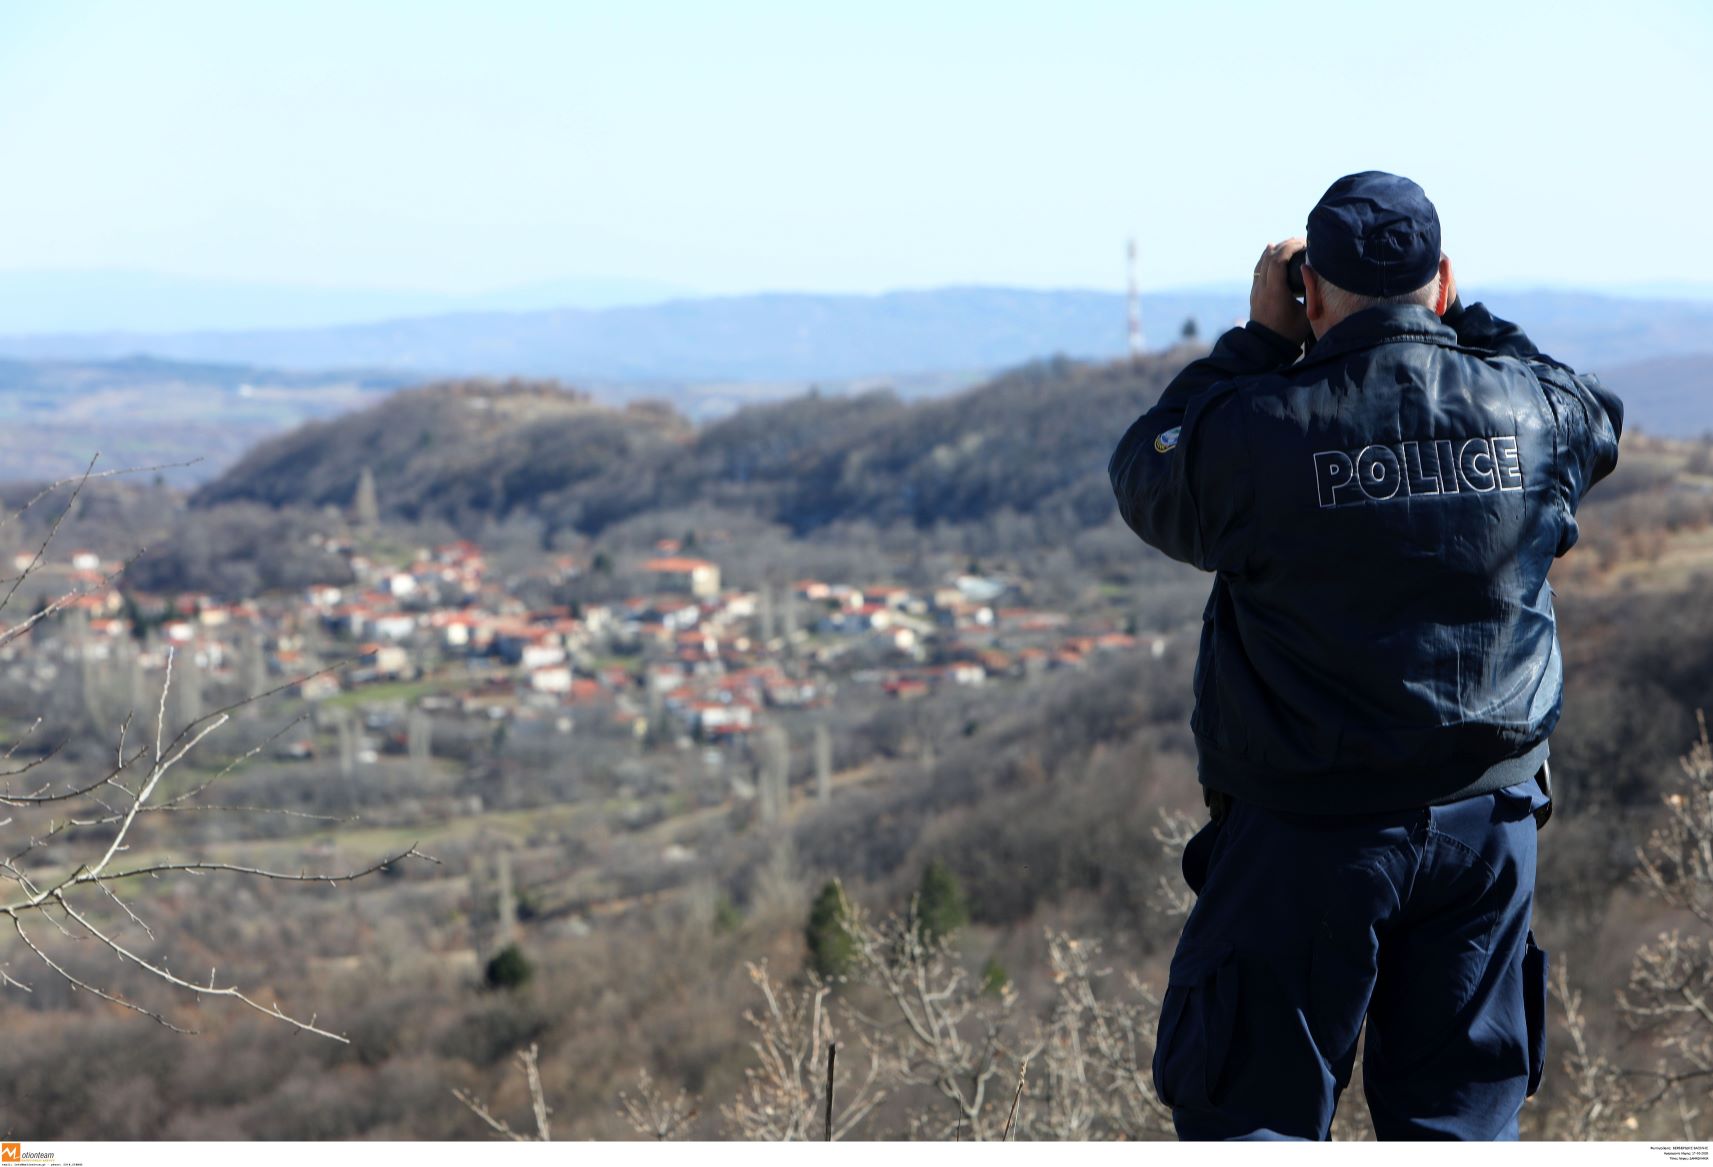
(1667, 395)
(458, 451)
(647, 871)
(1026, 449)
(1033, 442)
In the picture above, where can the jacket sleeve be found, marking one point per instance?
(1589, 416)
(1173, 469)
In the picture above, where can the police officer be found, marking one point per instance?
(1379, 673)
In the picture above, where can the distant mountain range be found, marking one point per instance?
(798, 338)
(130, 301)
(211, 395)
(775, 337)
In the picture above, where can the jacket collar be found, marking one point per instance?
(1377, 325)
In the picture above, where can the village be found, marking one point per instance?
(687, 660)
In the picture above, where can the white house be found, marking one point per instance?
(677, 573)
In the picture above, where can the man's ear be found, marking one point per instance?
(1312, 302)
(1447, 286)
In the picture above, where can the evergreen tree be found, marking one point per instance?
(727, 917)
(510, 969)
(134, 618)
(831, 949)
(940, 905)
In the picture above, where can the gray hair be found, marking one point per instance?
(1341, 303)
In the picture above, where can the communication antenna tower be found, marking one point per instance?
(1133, 304)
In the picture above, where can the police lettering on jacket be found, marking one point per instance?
(1412, 469)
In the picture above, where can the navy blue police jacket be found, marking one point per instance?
(1380, 515)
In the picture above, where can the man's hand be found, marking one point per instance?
(1271, 303)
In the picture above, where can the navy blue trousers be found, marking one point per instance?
(1305, 925)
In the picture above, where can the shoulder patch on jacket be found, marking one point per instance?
(1166, 441)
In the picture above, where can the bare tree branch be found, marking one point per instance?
(136, 774)
(528, 1061)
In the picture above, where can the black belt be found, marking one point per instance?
(1219, 802)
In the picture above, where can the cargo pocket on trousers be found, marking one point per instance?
(1197, 1019)
(1534, 1008)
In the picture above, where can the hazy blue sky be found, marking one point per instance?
(860, 146)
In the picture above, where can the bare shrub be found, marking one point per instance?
(1095, 1080)
(1172, 897)
(528, 1062)
(1670, 991)
(941, 1032)
(1600, 1103)
(785, 1097)
(655, 1113)
(1668, 997)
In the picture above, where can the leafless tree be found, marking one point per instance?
(366, 503)
(1600, 1105)
(941, 1030)
(1677, 860)
(785, 1096)
(773, 770)
(823, 763)
(1095, 1079)
(655, 1113)
(528, 1061)
(66, 861)
(1173, 832)
(1670, 990)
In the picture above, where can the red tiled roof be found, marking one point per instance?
(675, 564)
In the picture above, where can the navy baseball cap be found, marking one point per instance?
(1374, 234)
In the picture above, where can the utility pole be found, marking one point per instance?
(1133, 303)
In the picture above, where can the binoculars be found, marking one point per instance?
(1294, 271)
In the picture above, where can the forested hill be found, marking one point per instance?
(1034, 441)
(459, 451)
